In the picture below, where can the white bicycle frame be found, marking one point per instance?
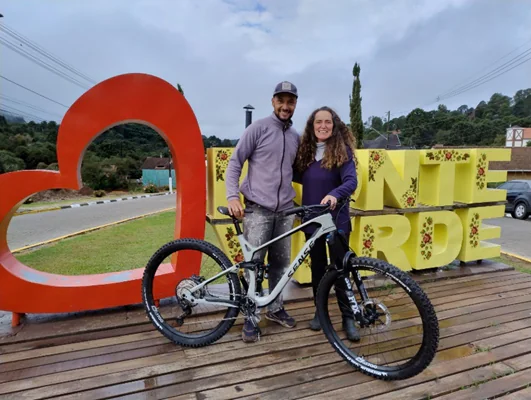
(327, 225)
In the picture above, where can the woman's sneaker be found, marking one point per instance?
(281, 317)
(315, 325)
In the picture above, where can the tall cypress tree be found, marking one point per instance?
(180, 89)
(356, 123)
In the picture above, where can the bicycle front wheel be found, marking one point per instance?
(399, 335)
(182, 322)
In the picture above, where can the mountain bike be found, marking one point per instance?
(349, 285)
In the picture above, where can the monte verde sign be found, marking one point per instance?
(417, 209)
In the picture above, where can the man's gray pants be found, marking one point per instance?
(261, 226)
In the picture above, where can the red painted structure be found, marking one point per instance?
(136, 98)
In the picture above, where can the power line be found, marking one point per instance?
(12, 100)
(483, 79)
(32, 91)
(20, 111)
(43, 64)
(14, 34)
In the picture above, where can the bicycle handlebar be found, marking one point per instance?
(313, 208)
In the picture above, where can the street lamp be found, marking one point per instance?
(248, 114)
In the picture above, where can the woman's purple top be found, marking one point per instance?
(317, 182)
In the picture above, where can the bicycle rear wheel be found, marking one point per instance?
(397, 308)
(184, 323)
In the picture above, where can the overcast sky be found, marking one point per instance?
(228, 53)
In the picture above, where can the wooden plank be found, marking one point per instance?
(67, 387)
(344, 381)
(492, 388)
(471, 316)
(449, 384)
(524, 394)
(434, 372)
(238, 336)
(98, 356)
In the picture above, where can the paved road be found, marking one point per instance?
(515, 235)
(25, 230)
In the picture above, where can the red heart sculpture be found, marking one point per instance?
(125, 98)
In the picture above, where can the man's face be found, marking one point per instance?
(284, 105)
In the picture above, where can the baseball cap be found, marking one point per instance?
(286, 87)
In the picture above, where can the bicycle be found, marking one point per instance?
(193, 292)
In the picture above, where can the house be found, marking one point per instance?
(517, 136)
(520, 165)
(388, 142)
(156, 170)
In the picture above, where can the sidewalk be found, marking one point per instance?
(45, 208)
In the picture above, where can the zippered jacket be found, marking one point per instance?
(269, 145)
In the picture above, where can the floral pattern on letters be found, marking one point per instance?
(426, 238)
(447, 155)
(376, 160)
(368, 241)
(409, 198)
(235, 251)
(474, 231)
(222, 161)
(481, 171)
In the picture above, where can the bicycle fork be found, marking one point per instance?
(341, 256)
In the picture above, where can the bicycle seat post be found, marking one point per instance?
(236, 223)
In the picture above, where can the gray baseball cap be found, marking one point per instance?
(286, 87)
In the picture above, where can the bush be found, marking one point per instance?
(99, 193)
(151, 188)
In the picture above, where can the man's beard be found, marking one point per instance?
(279, 112)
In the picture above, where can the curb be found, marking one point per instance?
(516, 256)
(90, 203)
(78, 233)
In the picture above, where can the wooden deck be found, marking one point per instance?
(485, 352)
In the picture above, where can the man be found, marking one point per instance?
(269, 145)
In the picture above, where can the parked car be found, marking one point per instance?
(518, 198)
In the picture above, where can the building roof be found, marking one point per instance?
(156, 163)
(526, 131)
(381, 143)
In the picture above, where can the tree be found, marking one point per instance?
(376, 123)
(356, 123)
(180, 89)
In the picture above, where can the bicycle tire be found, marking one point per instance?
(430, 340)
(188, 340)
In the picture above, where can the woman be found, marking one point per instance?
(325, 166)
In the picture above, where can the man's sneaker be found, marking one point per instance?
(281, 317)
(249, 332)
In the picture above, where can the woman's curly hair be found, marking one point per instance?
(335, 153)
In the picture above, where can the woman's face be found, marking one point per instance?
(323, 125)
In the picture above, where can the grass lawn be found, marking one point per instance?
(116, 248)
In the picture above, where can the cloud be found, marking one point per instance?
(228, 53)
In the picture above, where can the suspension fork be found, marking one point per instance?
(341, 256)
